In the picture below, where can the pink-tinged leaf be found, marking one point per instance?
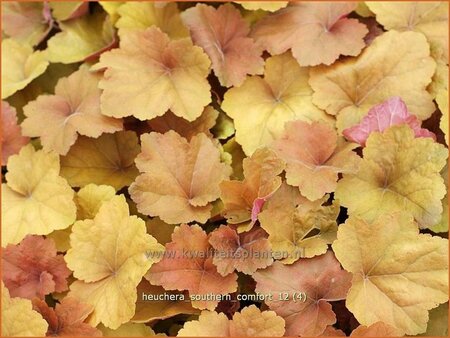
(257, 206)
(11, 136)
(382, 116)
(188, 265)
(223, 34)
(245, 252)
(33, 269)
(320, 278)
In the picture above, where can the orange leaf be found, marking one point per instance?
(317, 32)
(170, 121)
(11, 136)
(150, 74)
(314, 166)
(243, 200)
(179, 179)
(74, 109)
(223, 34)
(188, 265)
(67, 319)
(245, 252)
(33, 269)
(320, 278)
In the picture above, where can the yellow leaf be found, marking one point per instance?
(137, 16)
(270, 6)
(109, 255)
(128, 330)
(298, 228)
(35, 199)
(88, 201)
(19, 319)
(429, 18)
(442, 101)
(81, 38)
(250, 322)
(398, 274)
(349, 88)
(111, 7)
(237, 156)
(179, 179)
(440, 78)
(20, 66)
(150, 74)
(160, 230)
(363, 10)
(64, 10)
(108, 160)
(398, 173)
(261, 106)
(150, 310)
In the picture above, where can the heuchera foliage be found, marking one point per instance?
(224, 169)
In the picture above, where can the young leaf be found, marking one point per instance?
(223, 35)
(74, 109)
(398, 173)
(150, 74)
(188, 265)
(11, 135)
(320, 278)
(109, 256)
(282, 95)
(35, 199)
(398, 274)
(316, 32)
(33, 269)
(250, 322)
(179, 180)
(243, 200)
(67, 318)
(108, 160)
(382, 116)
(349, 88)
(314, 166)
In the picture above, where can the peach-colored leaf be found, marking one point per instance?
(170, 121)
(243, 200)
(188, 265)
(67, 318)
(28, 22)
(314, 157)
(245, 252)
(250, 322)
(317, 32)
(11, 136)
(150, 74)
(320, 278)
(223, 34)
(179, 179)
(74, 109)
(380, 117)
(378, 329)
(33, 269)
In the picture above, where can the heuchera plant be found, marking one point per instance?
(224, 169)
